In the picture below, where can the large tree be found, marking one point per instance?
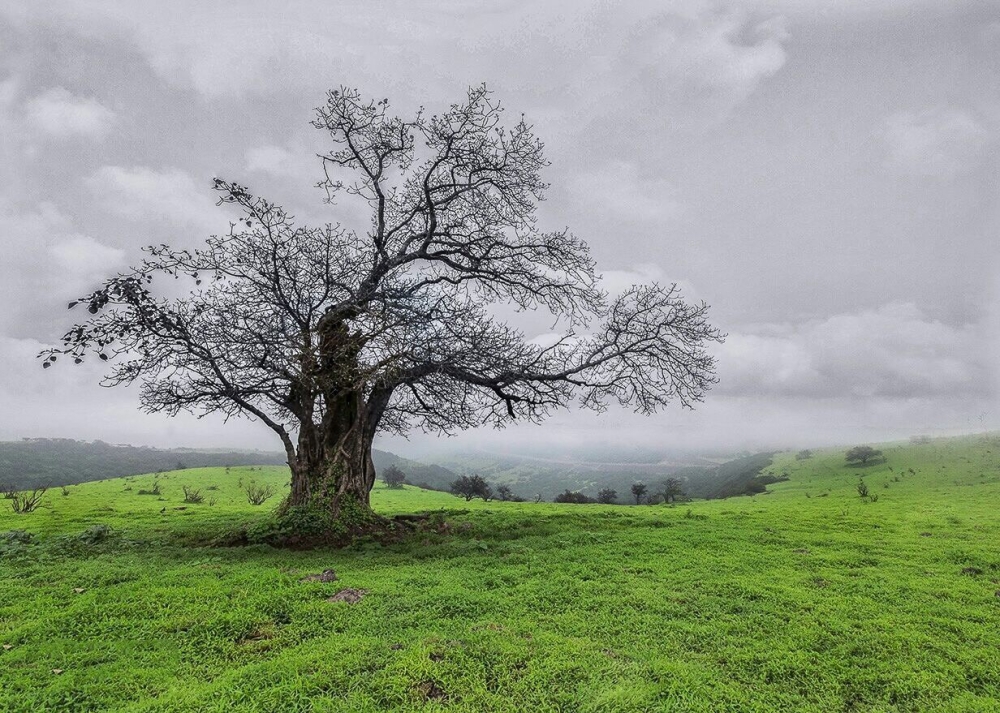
(330, 335)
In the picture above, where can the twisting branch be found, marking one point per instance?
(306, 328)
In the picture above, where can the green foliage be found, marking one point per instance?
(471, 486)
(862, 455)
(607, 496)
(767, 604)
(574, 498)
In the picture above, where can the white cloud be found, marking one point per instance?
(618, 189)
(84, 257)
(941, 142)
(46, 263)
(144, 194)
(894, 351)
(710, 59)
(61, 114)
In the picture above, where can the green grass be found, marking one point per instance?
(804, 599)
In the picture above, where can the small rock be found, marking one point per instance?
(327, 575)
(397, 647)
(57, 671)
(972, 571)
(8, 647)
(349, 595)
(79, 590)
(926, 534)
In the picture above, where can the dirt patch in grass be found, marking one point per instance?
(348, 595)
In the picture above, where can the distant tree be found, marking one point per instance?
(804, 455)
(862, 454)
(862, 489)
(330, 335)
(394, 477)
(470, 487)
(607, 496)
(673, 489)
(569, 496)
(504, 493)
(638, 492)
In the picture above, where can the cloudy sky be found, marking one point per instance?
(823, 172)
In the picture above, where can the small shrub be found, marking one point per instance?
(94, 534)
(155, 490)
(873, 498)
(20, 537)
(192, 495)
(804, 455)
(862, 489)
(65, 491)
(572, 497)
(26, 501)
(257, 494)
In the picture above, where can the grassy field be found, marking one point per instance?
(804, 599)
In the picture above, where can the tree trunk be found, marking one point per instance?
(332, 469)
(333, 466)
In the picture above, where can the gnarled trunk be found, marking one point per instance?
(332, 469)
(333, 460)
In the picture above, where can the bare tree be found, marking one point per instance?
(329, 335)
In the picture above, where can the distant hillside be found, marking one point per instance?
(530, 475)
(431, 477)
(741, 476)
(49, 462)
(37, 462)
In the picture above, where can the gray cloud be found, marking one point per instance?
(61, 114)
(823, 173)
(894, 351)
(942, 142)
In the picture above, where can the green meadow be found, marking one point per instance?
(807, 598)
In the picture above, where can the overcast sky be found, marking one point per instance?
(824, 173)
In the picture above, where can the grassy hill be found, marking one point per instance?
(807, 598)
(51, 462)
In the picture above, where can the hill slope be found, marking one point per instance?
(808, 599)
